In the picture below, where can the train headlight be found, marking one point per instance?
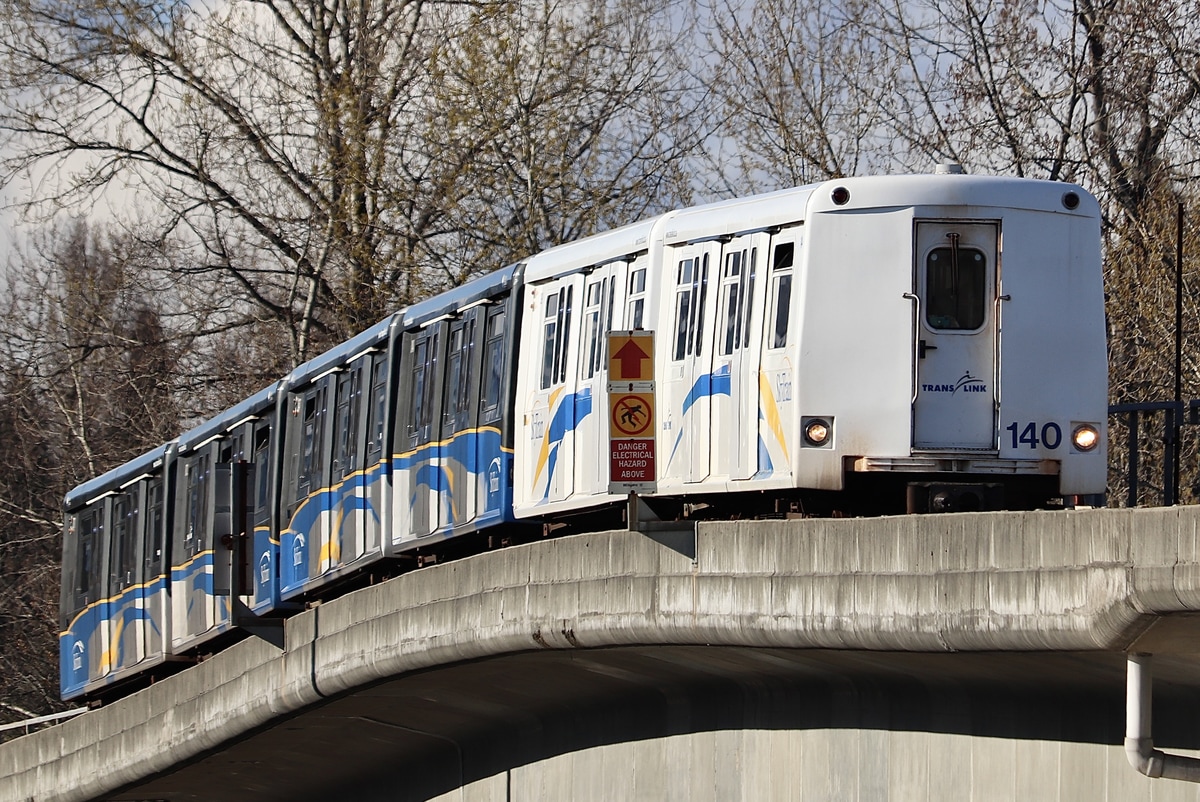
(1085, 437)
(817, 431)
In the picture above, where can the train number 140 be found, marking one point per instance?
(1051, 435)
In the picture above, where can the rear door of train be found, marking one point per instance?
(955, 278)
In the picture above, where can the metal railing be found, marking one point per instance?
(52, 718)
(1138, 421)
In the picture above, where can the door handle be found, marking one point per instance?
(922, 347)
(917, 342)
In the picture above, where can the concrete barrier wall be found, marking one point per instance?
(831, 766)
(1056, 581)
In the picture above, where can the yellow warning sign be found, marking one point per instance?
(631, 356)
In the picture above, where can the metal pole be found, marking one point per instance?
(1132, 449)
(1178, 353)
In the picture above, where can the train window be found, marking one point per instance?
(261, 458)
(637, 297)
(549, 338)
(424, 378)
(556, 338)
(493, 366)
(955, 288)
(454, 377)
(598, 314)
(565, 334)
(349, 397)
(308, 449)
(154, 529)
(90, 532)
(378, 409)
(691, 290)
(464, 390)
(196, 478)
(731, 280)
(456, 416)
(749, 274)
(124, 553)
(781, 305)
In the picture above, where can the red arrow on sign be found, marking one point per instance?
(630, 356)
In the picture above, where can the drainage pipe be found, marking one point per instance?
(1139, 745)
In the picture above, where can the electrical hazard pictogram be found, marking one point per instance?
(632, 414)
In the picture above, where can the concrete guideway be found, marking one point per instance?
(1065, 594)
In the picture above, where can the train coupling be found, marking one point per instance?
(954, 497)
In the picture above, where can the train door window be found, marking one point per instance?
(424, 378)
(124, 539)
(691, 290)
(348, 396)
(378, 409)
(454, 374)
(598, 321)
(955, 282)
(493, 366)
(556, 337)
(196, 477)
(154, 528)
(456, 415)
(637, 298)
(781, 293)
(749, 274)
(731, 303)
(90, 535)
(262, 481)
(311, 474)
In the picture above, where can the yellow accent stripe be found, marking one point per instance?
(449, 440)
(771, 412)
(544, 453)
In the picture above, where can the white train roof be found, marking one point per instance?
(796, 205)
(597, 249)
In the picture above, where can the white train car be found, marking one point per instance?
(921, 343)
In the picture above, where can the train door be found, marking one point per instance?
(84, 636)
(347, 541)
(460, 413)
(954, 403)
(194, 608)
(689, 382)
(307, 500)
(153, 566)
(126, 635)
(495, 458)
(376, 464)
(777, 373)
(552, 416)
(263, 554)
(602, 300)
(421, 491)
(738, 348)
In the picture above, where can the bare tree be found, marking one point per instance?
(578, 117)
(795, 88)
(269, 131)
(89, 373)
